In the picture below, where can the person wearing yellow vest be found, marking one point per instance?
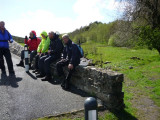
(42, 49)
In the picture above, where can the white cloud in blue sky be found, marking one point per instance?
(22, 16)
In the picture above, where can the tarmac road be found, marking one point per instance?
(24, 97)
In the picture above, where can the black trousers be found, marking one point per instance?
(32, 55)
(37, 59)
(60, 71)
(44, 64)
(5, 52)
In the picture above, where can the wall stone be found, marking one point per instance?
(16, 48)
(102, 83)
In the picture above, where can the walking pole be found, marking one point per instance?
(26, 56)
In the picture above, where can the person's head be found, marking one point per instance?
(2, 25)
(32, 34)
(65, 38)
(51, 35)
(44, 35)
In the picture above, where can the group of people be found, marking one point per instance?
(46, 51)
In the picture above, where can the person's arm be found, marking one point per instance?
(10, 37)
(46, 46)
(39, 47)
(28, 42)
(25, 39)
(64, 53)
(74, 54)
(58, 48)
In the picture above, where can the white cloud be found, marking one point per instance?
(86, 11)
(39, 20)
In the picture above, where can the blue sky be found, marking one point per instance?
(22, 16)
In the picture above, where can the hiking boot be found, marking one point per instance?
(21, 64)
(12, 73)
(40, 76)
(30, 67)
(66, 85)
(34, 71)
(47, 78)
(4, 72)
(37, 72)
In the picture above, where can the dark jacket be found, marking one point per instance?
(71, 53)
(56, 47)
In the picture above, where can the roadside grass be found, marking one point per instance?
(142, 66)
(22, 44)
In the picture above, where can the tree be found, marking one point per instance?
(146, 13)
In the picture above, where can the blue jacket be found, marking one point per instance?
(4, 38)
(71, 53)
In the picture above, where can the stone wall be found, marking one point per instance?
(104, 84)
(16, 48)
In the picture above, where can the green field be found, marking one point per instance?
(22, 44)
(141, 68)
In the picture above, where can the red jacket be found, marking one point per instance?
(33, 43)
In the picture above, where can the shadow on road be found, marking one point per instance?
(77, 91)
(10, 80)
(72, 89)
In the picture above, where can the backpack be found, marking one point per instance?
(80, 50)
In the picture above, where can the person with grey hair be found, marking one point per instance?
(5, 38)
(71, 58)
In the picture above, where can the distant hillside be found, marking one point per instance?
(94, 32)
(18, 39)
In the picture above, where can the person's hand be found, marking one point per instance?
(26, 37)
(11, 41)
(49, 51)
(70, 66)
(42, 54)
(39, 53)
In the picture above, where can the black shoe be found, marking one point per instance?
(30, 67)
(37, 73)
(47, 78)
(12, 74)
(40, 76)
(66, 85)
(34, 71)
(4, 72)
(21, 64)
(63, 83)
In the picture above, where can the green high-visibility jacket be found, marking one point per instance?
(45, 42)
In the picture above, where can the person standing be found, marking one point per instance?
(5, 38)
(32, 43)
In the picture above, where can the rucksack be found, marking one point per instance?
(81, 51)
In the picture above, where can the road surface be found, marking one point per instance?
(24, 97)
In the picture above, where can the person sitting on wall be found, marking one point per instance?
(54, 53)
(71, 58)
(32, 43)
(42, 50)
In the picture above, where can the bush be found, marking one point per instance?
(111, 41)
